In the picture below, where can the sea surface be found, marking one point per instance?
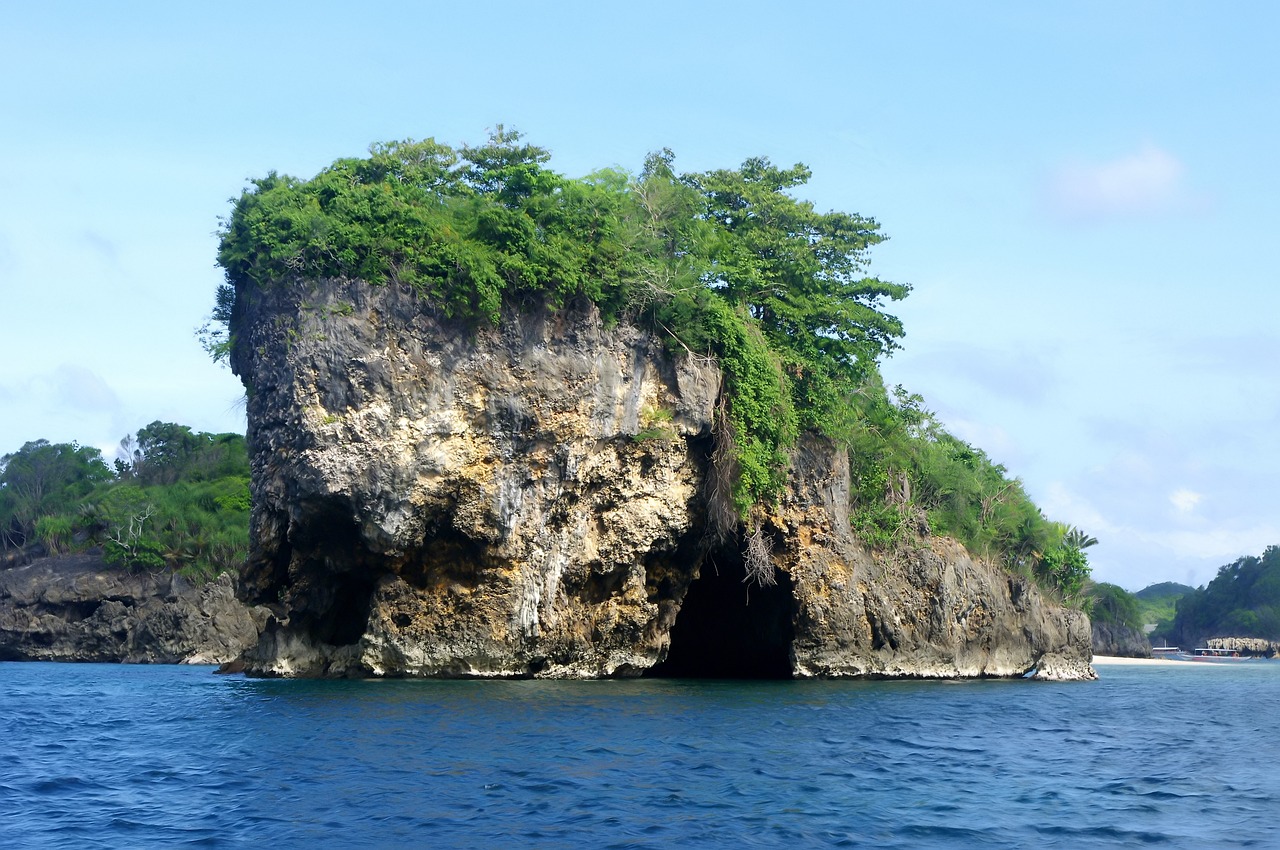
(134, 756)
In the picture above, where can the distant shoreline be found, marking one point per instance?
(1115, 660)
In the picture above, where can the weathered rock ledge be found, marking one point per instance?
(532, 500)
(1120, 641)
(77, 608)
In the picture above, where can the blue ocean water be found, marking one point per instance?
(130, 756)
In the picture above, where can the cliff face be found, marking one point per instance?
(532, 501)
(1113, 639)
(76, 608)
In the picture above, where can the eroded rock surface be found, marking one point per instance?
(1118, 640)
(532, 500)
(1245, 645)
(76, 608)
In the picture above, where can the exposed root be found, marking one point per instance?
(757, 558)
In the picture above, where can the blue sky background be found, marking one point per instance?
(1083, 196)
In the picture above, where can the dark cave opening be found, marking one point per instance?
(341, 573)
(730, 629)
(349, 614)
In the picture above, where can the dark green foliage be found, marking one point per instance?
(1114, 605)
(465, 229)
(179, 500)
(1065, 568)
(163, 453)
(1243, 600)
(799, 273)
(44, 479)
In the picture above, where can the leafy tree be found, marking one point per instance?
(1067, 569)
(1158, 604)
(1114, 605)
(44, 479)
(163, 453)
(799, 273)
(179, 500)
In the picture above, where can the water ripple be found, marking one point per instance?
(102, 756)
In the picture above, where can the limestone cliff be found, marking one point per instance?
(76, 608)
(532, 500)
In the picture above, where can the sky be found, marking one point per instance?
(1081, 195)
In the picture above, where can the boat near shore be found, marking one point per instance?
(1213, 656)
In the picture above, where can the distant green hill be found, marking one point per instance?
(1157, 603)
(1163, 590)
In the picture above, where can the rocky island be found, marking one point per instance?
(78, 608)
(586, 472)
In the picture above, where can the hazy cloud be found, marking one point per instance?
(1220, 544)
(1024, 375)
(1189, 548)
(79, 388)
(1150, 180)
(1184, 501)
(1064, 505)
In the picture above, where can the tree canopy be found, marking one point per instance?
(1112, 604)
(176, 499)
(42, 479)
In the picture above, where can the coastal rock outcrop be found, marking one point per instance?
(534, 500)
(1119, 640)
(77, 608)
(1245, 645)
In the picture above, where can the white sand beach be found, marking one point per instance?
(1113, 660)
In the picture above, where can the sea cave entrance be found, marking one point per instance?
(728, 628)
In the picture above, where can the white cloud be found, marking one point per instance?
(1184, 501)
(1150, 180)
(1222, 545)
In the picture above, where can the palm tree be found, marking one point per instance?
(1077, 539)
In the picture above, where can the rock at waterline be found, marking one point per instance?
(77, 608)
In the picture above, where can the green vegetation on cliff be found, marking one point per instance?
(175, 499)
(727, 264)
(1113, 605)
(1243, 600)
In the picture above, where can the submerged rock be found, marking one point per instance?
(77, 608)
(535, 500)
